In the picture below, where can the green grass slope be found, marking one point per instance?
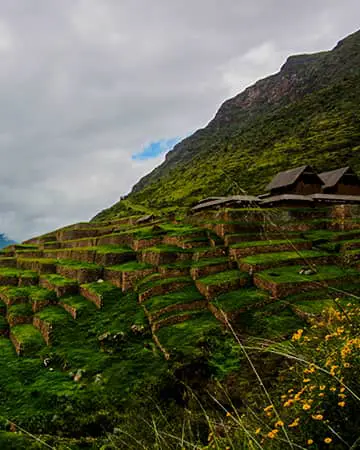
(308, 112)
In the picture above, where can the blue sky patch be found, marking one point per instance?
(155, 149)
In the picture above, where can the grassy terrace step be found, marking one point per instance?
(237, 302)
(39, 298)
(61, 285)
(82, 272)
(78, 243)
(186, 337)
(39, 265)
(210, 266)
(178, 316)
(17, 277)
(127, 237)
(26, 339)
(47, 319)
(153, 285)
(328, 235)
(209, 252)
(76, 305)
(221, 282)
(98, 293)
(29, 253)
(165, 254)
(179, 269)
(285, 281)
(6, 261)
(276, 321)
(125, 276)
(175, 301)
(19, 314)
(264, 261)
(14, 295)
(243, 249)
(19, 247)
(231, 239)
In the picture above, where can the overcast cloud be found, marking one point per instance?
(87, 84)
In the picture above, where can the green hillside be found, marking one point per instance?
(151, 327)
(308, 112)
(126, 335)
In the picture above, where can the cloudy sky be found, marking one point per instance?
(93, 92)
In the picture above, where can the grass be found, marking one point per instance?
(291, 274)
(53, 315)
(154, 282)
(79, 303)
(224, 277)
(29, 337)
(58, 280)
(104, 289)
(242, 298)
(185, 337)
(273, 258)
(166, 249)
(21, 310)
(187, 295)
(210, 262)
(37, 294)
(105, 249)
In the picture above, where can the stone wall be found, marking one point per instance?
(139, 244)
(238, 253)
(210, 291)
(162, 289)
(94, 297)
(199, 304)
(45, 329)
(82, 275)
(198, 272)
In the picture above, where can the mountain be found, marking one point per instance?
(4, 241)
(308, 111)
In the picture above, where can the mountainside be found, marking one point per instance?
(4, 241)
(308, 112)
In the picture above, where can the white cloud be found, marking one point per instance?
(85, 83)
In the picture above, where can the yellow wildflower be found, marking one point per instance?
(306, 406)
(257, 431)
(309, 442)
(272, 434)
(341, 404)
(279, 423)
(317, 416)
(295, 423)
(322, 387)
(328, 440)
(268, 408)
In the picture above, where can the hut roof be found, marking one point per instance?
(287, 198)
(235, 200)
(208, 199)
(332, 177)
(288, 177)
(336, 198)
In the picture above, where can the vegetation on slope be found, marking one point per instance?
(314, 120)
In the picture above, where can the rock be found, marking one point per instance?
(137, 329)
(79, 374)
